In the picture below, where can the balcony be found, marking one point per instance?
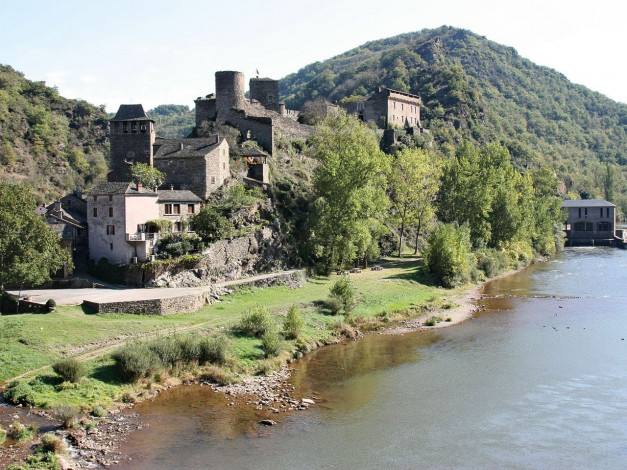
(139, 237)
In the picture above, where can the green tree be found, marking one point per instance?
(29, 249)
(609, 181)
(413, 185)
(210, 225)
(147, 175)
(448, 254)
(348, 187)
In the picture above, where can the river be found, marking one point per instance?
(537, 380)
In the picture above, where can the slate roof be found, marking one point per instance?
(110, 188)
(252, 152)
(586, 203)
(131, 112)
(177, 195)
(192, 148)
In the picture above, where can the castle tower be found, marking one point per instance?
(131, 136)
(229, 92)
(266, 91)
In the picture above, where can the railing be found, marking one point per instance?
(139, 237)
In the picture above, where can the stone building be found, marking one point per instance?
(387, 109)
(590, 221)
(178, 206)
(257, 118)
(200, 165)
(117, 213)
(258, 173)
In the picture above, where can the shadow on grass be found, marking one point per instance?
(88, 309)
(416, 273)
(107, 374)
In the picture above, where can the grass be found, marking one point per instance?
(31, 341)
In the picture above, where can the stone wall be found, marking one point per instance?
(205, 110)
(129, 147)
(257, 128)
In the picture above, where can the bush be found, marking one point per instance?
(255, 322)
(293, 324)
(190, 348)
(22, 433)
(99, 411)
(68, 414)
(432, 321)
(344, 292)
(167, 349)
(210, 225)
(70, 369)
(213, 350)
(19, 393)
(271, 342)
(3, 436)
(492, 262)
(52, 443)
(51, 305)
(136, 361)
(448, 255)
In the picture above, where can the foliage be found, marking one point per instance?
(19, 393)
(51, 304)
(21, 432)
(173, 121)
(29, 249)
(175, 245)
(3, 435)
(238, 196)
(348, 190)
(491, 261)
(448, 255)
(160, 225)
(68, 414)
(147, 175)
(70, 369)
(344, 292)
(136, 361)
(433, 320)
(271, 342)
(210, 225)
(255, 322)
(293, 324)
(413, 185)
(214, 350)
(50, 442)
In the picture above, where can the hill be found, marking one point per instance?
(474, 88)
(53, 143)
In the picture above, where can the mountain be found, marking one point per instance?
(474, 88)
(53, 143)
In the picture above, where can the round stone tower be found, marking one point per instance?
(266, 91)
(229, 91)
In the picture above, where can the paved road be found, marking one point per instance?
(121, 294)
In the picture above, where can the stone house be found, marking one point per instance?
(387, 108)
(117, 213)
(199, 165)
(178, 206)
(590, 221)
(68, 219)
(258, 173)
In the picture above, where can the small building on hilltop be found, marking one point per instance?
(387, 108)
(590, 221)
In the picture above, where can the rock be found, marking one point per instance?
(267, 422)
(307, 401)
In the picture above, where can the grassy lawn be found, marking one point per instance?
(32, 341)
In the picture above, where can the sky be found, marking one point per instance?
(161, 52)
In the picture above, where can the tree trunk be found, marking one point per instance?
(417, 236)
(400, 238)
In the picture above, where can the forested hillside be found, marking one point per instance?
(475, 88)
(173, 120)
(52, 143)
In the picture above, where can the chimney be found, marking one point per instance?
(139, 187)
(171, 187)
(180, 145)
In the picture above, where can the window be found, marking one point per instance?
(111, 246)
(190, 208)
(133, 127)
(583, 227)
(142, 127)
(402, 106)
(585, 212)
(608, 212)
(176, 209)
(224, 165)
(168, 209)
(110, 198)
(603, 226)
(141, 228)
(394, 104)
(213, 180)
(125, 127)
(95, 212)
(95, 198)
(178, 226)
(110, 229)
(580, 212)
(110, 211)
(601, 214)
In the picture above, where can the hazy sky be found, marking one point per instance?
(158, 52)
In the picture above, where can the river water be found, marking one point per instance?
(537, 380)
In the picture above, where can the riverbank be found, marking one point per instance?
(380, 310)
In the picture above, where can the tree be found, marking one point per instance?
(210, 225)
(348, 187)
(609, 181)
(29, 249)
(413, 184)
(148, 176)
(448, 255)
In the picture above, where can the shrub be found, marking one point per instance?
(255, 322)
(168, 350)
(70, 369)
(334, 305)
(293, 324)
(52, 443)
(190, 348)
(218, 375)
(492, 262)
(210, 225)
(3, 436)
(271, 342)
(19, 393)
(22, 433)
(432, 321)
(448, 255)
(135, 361)
(99, 411)
(68, 414)
(213, 350)
(344, 292)
(51, 305)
